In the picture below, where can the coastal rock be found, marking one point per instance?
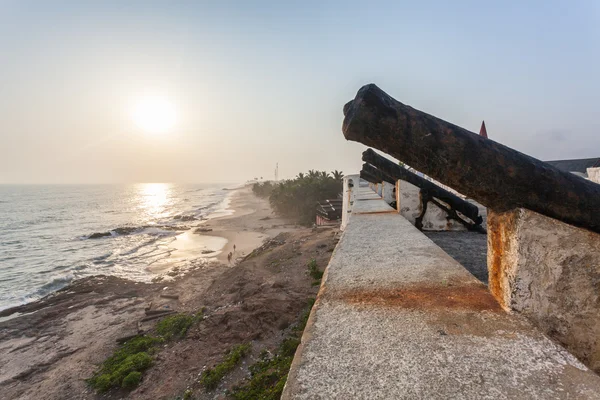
(98, 235)
(124, 230)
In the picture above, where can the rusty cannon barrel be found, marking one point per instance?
(377, 174)
(389, 168)
(493, 174)
(368, 177)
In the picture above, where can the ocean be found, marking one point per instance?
(53, 234)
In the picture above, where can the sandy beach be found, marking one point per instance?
(249, 225)
(49, 347)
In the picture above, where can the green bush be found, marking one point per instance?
(132, 380)
(124, 368)
(176, 326)
(212, 376)
(132, 356)
(314, 270)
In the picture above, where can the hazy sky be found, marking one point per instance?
(257, 83)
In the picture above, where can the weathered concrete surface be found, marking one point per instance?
(550, 272)
(434, 218)
(397, 318)
(594, 174)
(366, 193)
(370, 206)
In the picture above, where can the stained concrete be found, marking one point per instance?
(397, 318)
(550, 272)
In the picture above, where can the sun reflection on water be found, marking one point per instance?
(154, 199)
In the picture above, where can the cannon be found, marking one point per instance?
(377, 174)
(369, 178)
(493, 174)
(453, 202)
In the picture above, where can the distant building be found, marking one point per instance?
(329, 212)
(578, 166)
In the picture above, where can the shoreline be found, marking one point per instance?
(247, 227)
(188, 246)
(48, 347)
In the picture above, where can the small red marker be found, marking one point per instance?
(482, 130)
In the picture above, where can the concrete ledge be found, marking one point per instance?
(365, 193)
(366, 203)
(397, 318)
(372, 206)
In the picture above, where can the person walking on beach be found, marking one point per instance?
(234, 248)
(229, 257)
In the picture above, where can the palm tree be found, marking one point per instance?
(337, 175)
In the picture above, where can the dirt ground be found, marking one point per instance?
(49, 347)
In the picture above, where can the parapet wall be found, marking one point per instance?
(397, 318)
(550, 272)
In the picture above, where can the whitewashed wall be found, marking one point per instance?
(349, 195)
(409, 205)
(594, 174)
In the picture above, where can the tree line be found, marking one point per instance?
(297, 198)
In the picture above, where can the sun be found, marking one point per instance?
(154, 114)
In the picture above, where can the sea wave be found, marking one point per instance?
(52, 286)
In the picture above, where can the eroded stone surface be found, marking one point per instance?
(550, 272)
